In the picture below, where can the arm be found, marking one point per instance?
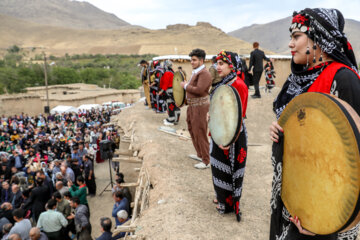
(266, 58)
(346, 86)
(63, 220)
(83, 219)
(251, 60)
(203, 84)
(115, 210)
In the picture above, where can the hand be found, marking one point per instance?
(295, 220)
(71, 216)
(274, 131)
(182, 84)
(69, 183)
(89, 177)
(224, 148)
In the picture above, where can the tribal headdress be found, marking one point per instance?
(325, 27)
(234, 62)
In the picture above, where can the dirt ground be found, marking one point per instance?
(180, 204)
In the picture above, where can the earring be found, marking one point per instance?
(314, 48)
(321, 58)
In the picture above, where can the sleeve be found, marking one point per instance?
(115, 210)
(39, 223)
(251, 60)
(74, 191)
(265, 57)
(83, 220)
(67, 211)
(203, 84)
(63, 220)
(164, 81)
(346, 86)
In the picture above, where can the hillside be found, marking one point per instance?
(176, 39)
(62, 13)
(275, 35)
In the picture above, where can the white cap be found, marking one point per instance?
(122, 214)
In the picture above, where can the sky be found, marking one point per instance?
(227, 15)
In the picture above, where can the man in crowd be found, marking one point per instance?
(197, 96)
(105, 224)
(82, 221)
(36, 234)
(22, 226)
(52, 222)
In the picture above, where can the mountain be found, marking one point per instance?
(275, 35)
(62, 13)
(175, 39)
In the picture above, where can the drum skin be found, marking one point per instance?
(321, 163)
(178, 90)
(225, 115)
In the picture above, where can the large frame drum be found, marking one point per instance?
(321, 163)
(225, 115)
(178, 90)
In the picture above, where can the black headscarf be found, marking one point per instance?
(325, 27)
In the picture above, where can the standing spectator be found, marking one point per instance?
(121, 203)
(52, 222)
(61, 188)
(36, 234)
(105, 224)
(63, 206)
(89, 175)
(22, 226)
(79, 191)
(38, 197)
(256, 61)
(82, 222)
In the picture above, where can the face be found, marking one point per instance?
(223, 68)
(196, 62)
(298, 46)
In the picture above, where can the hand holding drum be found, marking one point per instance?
(225, 116)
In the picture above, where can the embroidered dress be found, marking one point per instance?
(166, 85)
(228, 166)
(326, 26)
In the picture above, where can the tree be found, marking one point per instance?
(13, 49)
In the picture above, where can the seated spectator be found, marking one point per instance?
(122, 217)
(36, 234)
(5, 231)
(16, 196)
(15, 236)
(22, 226)
(5, 192)
(105, 224)
(52, 222)
(121, 203)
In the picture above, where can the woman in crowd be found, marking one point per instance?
(323, 61)
(228, 164)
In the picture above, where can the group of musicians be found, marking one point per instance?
(323, 61)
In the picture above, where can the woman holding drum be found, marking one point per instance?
(323, 61)
(228, 161)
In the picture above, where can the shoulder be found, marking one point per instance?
(204, 72)
(346, 79)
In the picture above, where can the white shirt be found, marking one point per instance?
(194, 72)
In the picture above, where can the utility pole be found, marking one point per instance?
(47, 107)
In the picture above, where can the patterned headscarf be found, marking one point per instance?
(325, 27)
(234, 62)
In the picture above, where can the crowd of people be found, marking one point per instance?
(47, 174)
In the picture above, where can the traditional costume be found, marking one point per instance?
(145, 82)
(197, 96)
(338, 77)
(166, 83)
(228, 166)
(158, 101)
